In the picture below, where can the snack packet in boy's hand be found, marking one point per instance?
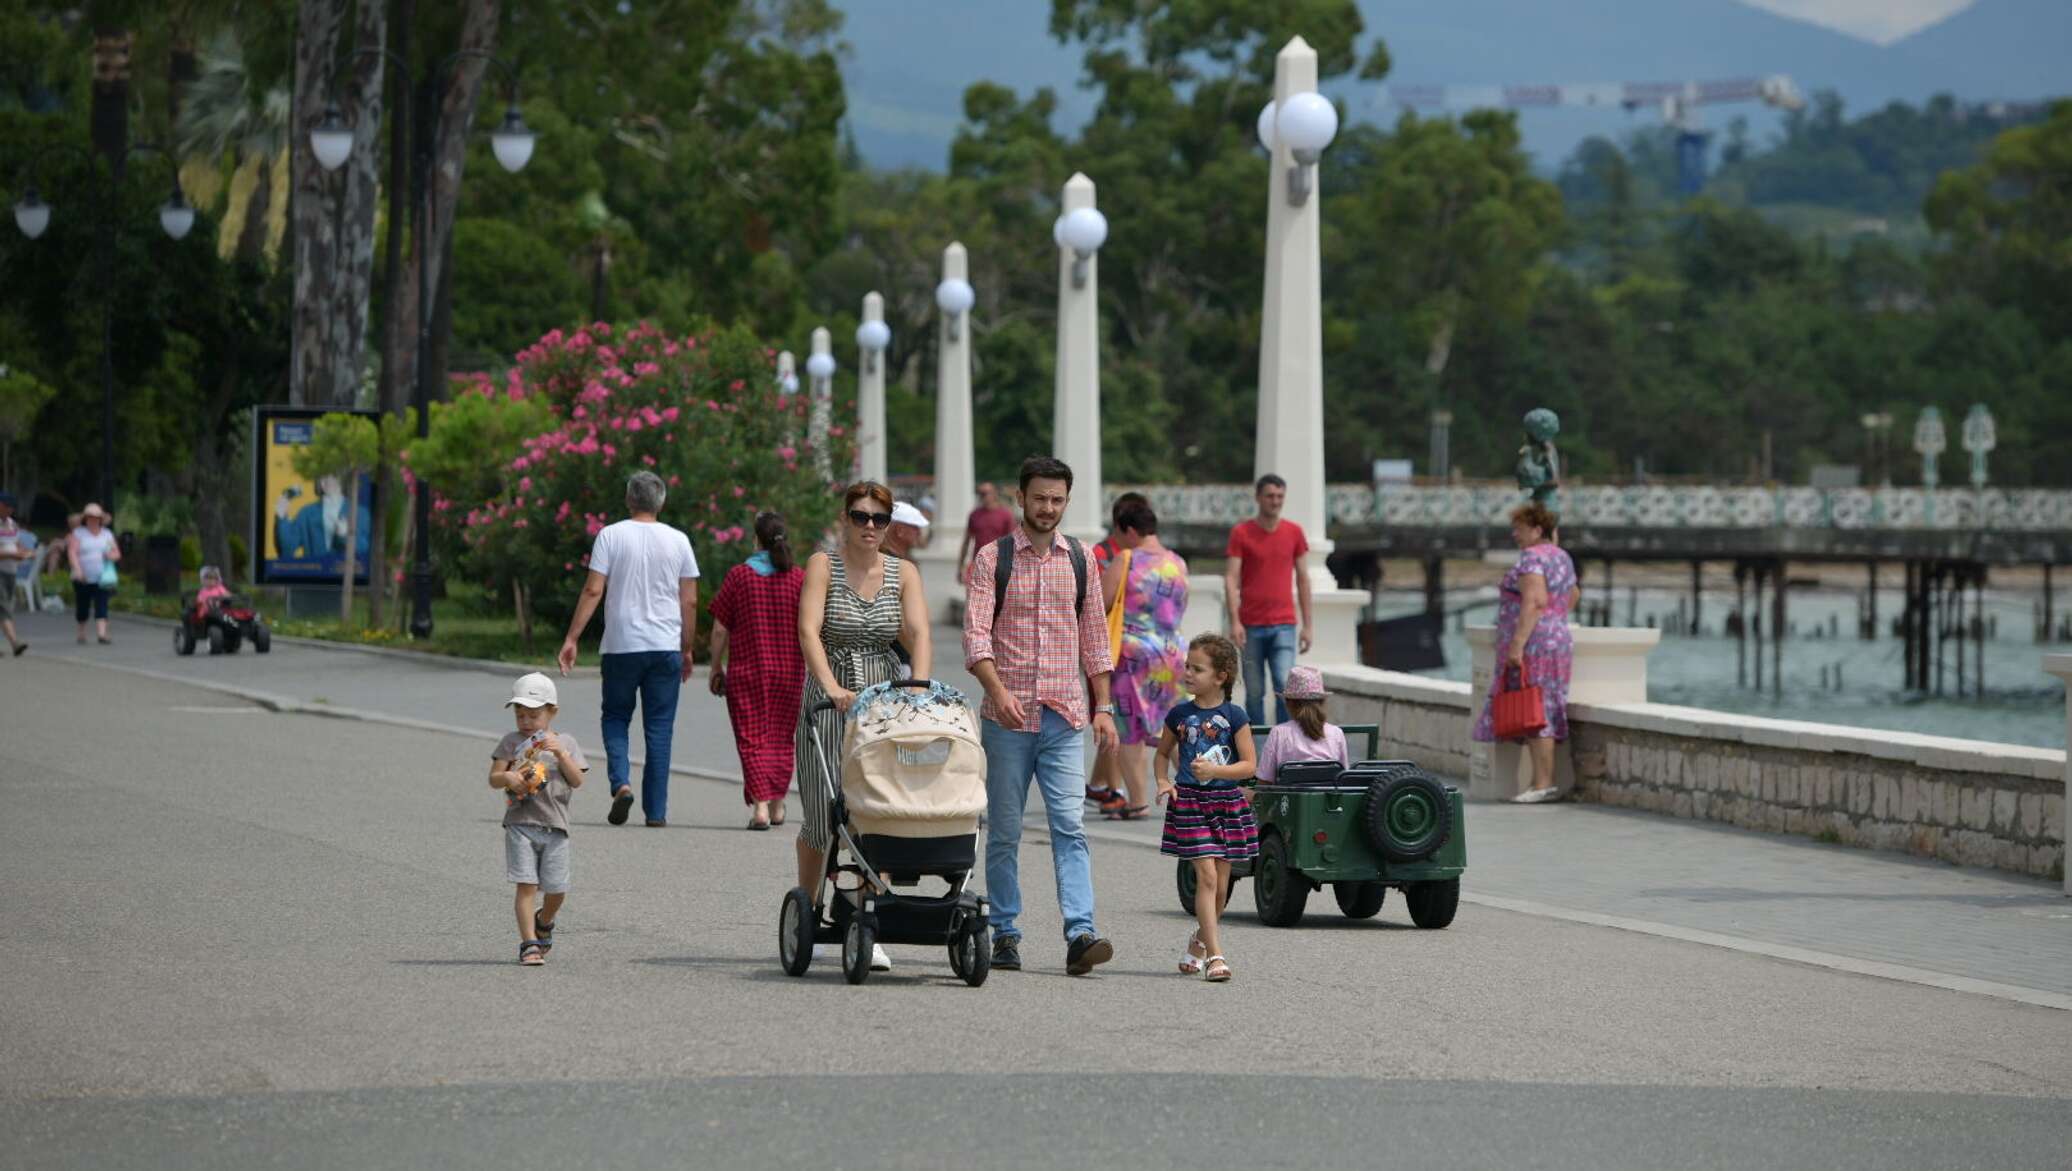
(528, 766)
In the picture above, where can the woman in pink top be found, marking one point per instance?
(1306, 735)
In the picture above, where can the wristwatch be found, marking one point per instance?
(1104, 709)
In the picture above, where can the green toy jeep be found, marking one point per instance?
(1378, 824)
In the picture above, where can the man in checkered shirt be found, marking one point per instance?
(1037, 658)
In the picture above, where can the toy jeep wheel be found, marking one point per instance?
(1408, 815)
(215, 640)
(1360, 900)
(1278, 891)
(183, 640)
(1432, 904)
(262, 638)
(1184, 882)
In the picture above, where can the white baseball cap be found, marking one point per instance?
(534, 690)
(906, 514)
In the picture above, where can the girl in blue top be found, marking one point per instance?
(1207, 817)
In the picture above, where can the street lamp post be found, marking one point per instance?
(821, 369)
(331, 139)
(175, 217)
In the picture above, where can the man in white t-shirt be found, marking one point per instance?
(647, 577)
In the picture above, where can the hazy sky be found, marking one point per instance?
(1882, 21)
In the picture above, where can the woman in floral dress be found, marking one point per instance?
(1152, 581)
(1532, 637)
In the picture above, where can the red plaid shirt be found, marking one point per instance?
(1044, 653)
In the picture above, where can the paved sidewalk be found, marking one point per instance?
(1880, 914)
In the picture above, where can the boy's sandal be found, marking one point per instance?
(1132, 812)
(531, 953)
(545, 932)
(1216, 970)
(1190, 963)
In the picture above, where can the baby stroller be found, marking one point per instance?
(913, 786)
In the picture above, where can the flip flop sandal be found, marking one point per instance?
(755, 823)
(1216, 970)
(1191, 964)
(1132, 813)
(622, 803)
(545, 932)
(531, 953)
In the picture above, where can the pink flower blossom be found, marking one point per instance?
(561, 514)
(669, 414)
(674, 481)
(645, 368)
(525, 483)
(787, 452)
(580, 413)
(739, 491)
(592, 527)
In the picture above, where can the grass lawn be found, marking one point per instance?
(463, 624)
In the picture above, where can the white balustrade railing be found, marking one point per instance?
(1647, 506)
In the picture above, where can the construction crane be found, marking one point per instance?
(1678, 100)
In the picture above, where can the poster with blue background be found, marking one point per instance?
(300, 527)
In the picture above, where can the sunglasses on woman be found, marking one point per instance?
(862, 518)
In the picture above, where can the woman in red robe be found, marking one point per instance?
(756, 664)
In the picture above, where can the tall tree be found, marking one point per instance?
(333, 212)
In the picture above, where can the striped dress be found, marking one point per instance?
(857, 634)
(1207, 819)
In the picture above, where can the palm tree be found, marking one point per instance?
(227, 120)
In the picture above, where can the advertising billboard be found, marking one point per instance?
(298, 526)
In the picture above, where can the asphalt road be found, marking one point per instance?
(239, 938)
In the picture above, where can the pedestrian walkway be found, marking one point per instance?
(1880, 914)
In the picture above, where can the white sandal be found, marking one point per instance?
(1209, 970)
(1191, 964)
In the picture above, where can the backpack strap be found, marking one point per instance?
(1003, 569)
(1078, 574)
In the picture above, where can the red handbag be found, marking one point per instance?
(1517, 712)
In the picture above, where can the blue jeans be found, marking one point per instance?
(654, 677)
(1267, 647)
(1056, 757)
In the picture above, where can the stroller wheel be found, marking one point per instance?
(795, 931)
(971, 954)
(857, 943)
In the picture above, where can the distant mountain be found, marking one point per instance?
(2016, 50)
(913, 59)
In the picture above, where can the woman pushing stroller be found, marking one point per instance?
(855, 604)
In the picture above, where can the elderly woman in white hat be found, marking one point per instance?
(92, 552)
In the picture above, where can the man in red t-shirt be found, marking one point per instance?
(1263, 585)
(989, 522)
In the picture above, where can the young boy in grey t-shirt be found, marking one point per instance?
(539, 770)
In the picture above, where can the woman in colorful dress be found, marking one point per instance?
(1533, 639)
(756, 664)
(1152, 582)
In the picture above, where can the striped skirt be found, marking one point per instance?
(1209, 823)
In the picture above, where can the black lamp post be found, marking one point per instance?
(331, 139)
(32, 216)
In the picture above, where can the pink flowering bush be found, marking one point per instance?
(703, 412)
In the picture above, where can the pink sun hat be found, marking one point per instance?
(1304, 683)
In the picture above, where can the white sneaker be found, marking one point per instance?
(880, 962)
(1533, 797)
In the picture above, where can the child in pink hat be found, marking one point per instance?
(1306, 735)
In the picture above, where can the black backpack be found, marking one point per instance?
(1003, 569)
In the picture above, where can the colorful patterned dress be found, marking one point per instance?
(765, 673)
(1207, 819)
(1147, 671)
(1550, 650)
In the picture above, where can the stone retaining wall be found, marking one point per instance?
(1964, 801)
(1967, 802)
